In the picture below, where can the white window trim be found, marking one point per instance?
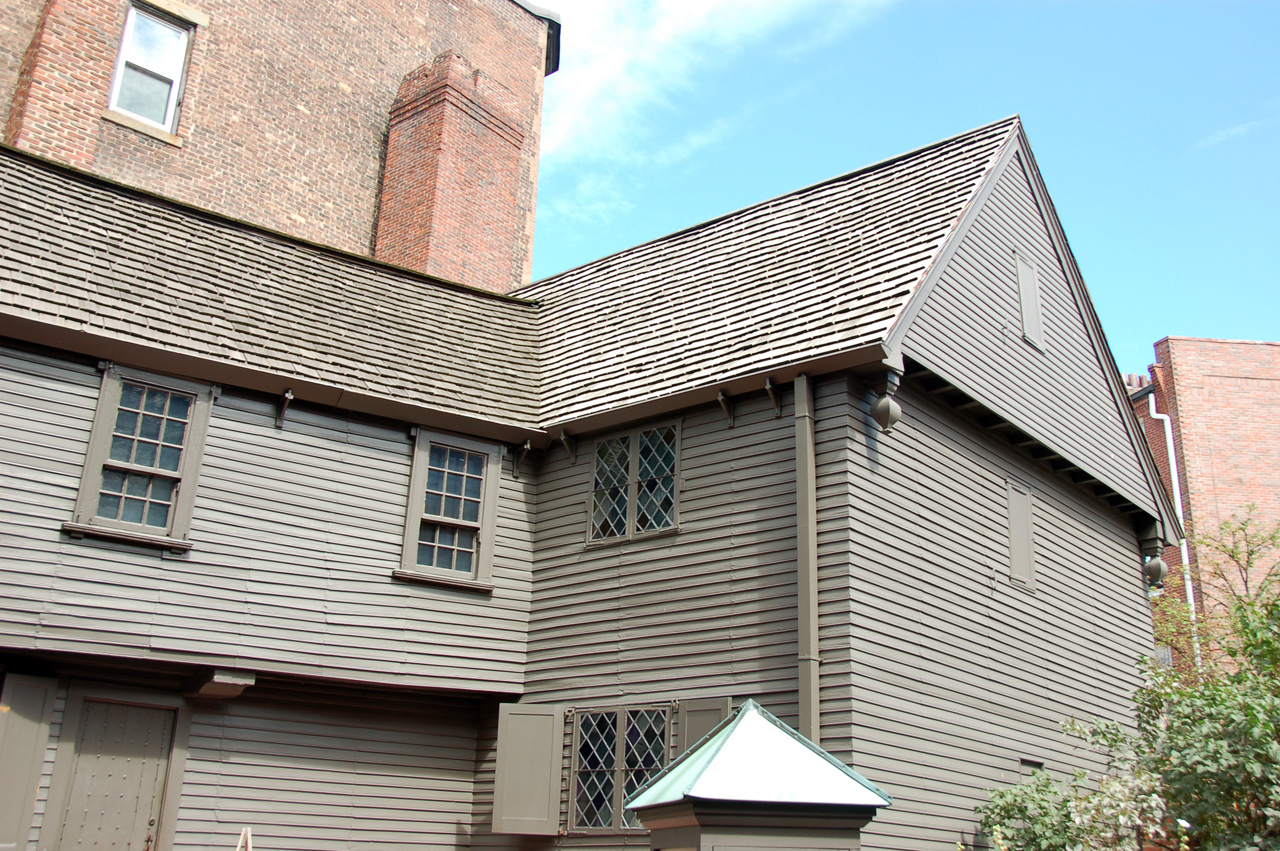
(482, 573)
(633, 484)
(619, 771)
(172, 14)
(85, 520)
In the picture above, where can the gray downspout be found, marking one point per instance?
(807, 559)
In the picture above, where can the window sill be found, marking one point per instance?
(441, 579)
(80, 530)
(631, 539)
(124, 119)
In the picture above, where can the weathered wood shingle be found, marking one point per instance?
(82, 255)
(816, 272)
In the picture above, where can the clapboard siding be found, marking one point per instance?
(295, 531)
(970, 331)
(316, 771)
(707, 611)
(944, 674)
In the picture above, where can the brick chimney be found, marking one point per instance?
(454, 197)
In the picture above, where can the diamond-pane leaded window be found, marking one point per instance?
(143, 455)
(451, 513)
(634, 488)
(609, 504)
(617, 751)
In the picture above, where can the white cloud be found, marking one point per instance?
(1223, 135)
(625, 61)
(595, 199)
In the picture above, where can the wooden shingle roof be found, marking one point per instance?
(81, 255)
(812, 273)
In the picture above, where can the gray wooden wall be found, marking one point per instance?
(296, 532)
(938, 674)
(319, 772)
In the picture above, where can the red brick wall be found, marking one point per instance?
(285, 115)
(452, 139)
(1223, 397)
(18, 19)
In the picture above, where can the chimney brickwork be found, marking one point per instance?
(450, 190)
(284, 116)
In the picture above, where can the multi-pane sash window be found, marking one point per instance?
(615, 753)
(144, 454)
(150, 67)
(140, 476)
(634, 488)
(452, 508)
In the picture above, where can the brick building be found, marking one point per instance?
(406, 131)
(1214, 402)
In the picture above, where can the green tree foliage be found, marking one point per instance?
(1203, 771)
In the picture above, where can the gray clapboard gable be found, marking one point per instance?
(296, 532)
(964, 325)
(110, 271)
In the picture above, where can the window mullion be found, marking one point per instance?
(620, 770)
(633, 481)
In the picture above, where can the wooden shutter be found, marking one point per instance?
(698, 717)
(526, 795)
(1029, 301)
(26, 706)
(1021, 541)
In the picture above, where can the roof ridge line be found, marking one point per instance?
(959, 226)
(1015, 117)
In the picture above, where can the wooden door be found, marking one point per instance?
(118, 777)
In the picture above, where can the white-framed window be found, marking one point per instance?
(453, 509)
(151, 67)
(615, 752)
(635, 483)
(143, 461)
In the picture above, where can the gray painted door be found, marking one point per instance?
(122, 758)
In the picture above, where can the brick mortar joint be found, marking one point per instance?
(446, 91)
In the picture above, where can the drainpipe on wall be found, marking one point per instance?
(1177, 508)
(807, 559)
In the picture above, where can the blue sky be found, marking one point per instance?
(1156, 125)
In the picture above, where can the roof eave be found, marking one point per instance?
(858, 358)
(215, 371)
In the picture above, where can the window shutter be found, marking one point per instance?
(1021, 539)
(1029, 298)
(26, 706)
(526, 796)
(699, 717)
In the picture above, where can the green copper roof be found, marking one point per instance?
(753, 757)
